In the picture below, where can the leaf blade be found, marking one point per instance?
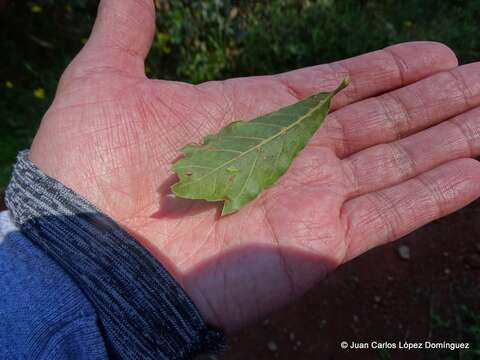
(244, 158)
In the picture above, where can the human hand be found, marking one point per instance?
(371, 174)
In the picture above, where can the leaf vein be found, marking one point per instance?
(267, 140)
(193, 166)
(225, 150)
(249, 176)
(243, 137)
(268, 124)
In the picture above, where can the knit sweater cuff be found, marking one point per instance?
(143, 311)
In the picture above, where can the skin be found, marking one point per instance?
(396, 153)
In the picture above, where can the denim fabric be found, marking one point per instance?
(143, 312)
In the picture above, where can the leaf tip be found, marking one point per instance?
(345, 82)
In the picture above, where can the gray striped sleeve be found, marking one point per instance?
(144, 312)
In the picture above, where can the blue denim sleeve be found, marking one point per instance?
(142, 312)
(43, 313)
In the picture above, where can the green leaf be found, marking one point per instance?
(238, 163)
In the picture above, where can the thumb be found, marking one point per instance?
(121, 38)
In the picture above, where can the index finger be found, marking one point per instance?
(373, 73)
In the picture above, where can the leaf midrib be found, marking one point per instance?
(266, 141)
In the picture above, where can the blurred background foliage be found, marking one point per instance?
(203, 40)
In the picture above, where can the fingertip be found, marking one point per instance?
(459, 182)
(469, 169)
(419, 59)
(471, 180)
(442, 55)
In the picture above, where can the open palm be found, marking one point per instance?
(390, 158)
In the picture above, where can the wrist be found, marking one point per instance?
(135, 297)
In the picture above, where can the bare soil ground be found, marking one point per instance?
(380, 296)
(432, 294)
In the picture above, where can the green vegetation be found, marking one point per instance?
(203, 40)
(383, 354)
(471, 332)
(461, 326)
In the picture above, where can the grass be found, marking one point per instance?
(383, 354)
(461, 326)
(471, 332)
(37, 40)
